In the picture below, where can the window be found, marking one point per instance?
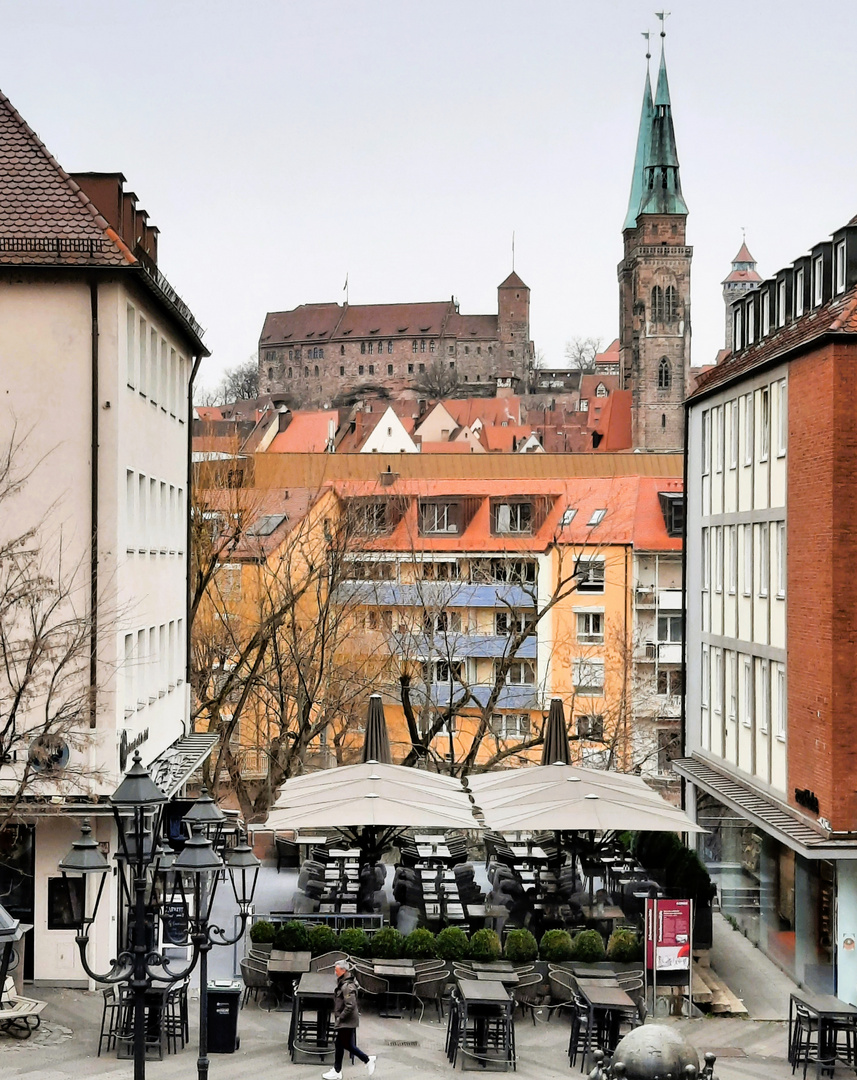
(717, 683)
(590, 627)
(432, 344)
(507, 622)
(601, 390)
(363, 570)
(781, 303)
(452, 368)
(747, 697)
(389, 369)
(371, 369)
(706, 561)
(315, 371)
(798, 293)
(669, 748)
(360, 369)
(671, 628)
(664, 374)
(441, 622)
(764, 559)
(370, 348)
(341, 369)
(363, 347)
(705, 691)
(590, 575)
(669, 682)
(817, 281)
(410, 369)
(414, 346)
(306, 372)
(748, 560)
(765, 424)
(733, 434)
(443, 671)
(766, 313)
(130, 358)
(290, 372)
(588, 676)
(440, 571)
(840, 266)
(422, 344)
(510, 725)
(142, 339)
(717, 438)
(764, 695)
(782, 418)
(781, 702)
(438, 517)
(782, 564)
(371, 517)
(657, 304)
(732, 535)
(751, 323)
(732, 668)
(736, 328)
(421, 368)
(66, 896)
(506, 571)
(583, 405)
(597, 517)
(590, 726)
(706, 442)
(568, 515)
(514, 517)
(717, 556)
(389, 346)
(520, 673)
(672, 507)
(671, 304)
(748, 429)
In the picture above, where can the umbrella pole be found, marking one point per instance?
(592, 872)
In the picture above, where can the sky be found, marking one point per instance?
(282, 146)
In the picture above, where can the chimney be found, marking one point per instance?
(284, 418)
(104, 191)
(389, 477)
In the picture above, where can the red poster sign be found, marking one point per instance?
(668, 934)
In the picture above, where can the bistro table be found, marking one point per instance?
(283, 970)
(829, 1011)
(400, 975)
(602, 911)
(313, 998)
(601, 997)
(488, 1003)
(507, 978)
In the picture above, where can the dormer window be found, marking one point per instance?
(601, 390)
(840, 266)
(781, 302)
(512, 518)
(817, 281)
(751, 323)
(438, 517)
(798, 293)
(736, 329)
(672, 507)
(766, 313)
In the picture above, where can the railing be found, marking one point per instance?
(58, 244)
(150, 266)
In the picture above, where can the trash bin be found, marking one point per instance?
(223, 1001)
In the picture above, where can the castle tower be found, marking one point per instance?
(654, 280)
(513, 327)
(742, 278)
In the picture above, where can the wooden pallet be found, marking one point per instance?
(716, 993)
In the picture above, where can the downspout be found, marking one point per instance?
(683, 716)
(93, 506)
(188, 539)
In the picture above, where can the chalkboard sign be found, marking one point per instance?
(174, 918)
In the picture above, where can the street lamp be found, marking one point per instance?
(145, 871)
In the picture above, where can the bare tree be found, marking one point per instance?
(580, 353)
(439, 380)
(45, 646)
(239, 383)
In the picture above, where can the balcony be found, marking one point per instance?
(664, 652)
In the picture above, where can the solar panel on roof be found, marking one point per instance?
(266, 525)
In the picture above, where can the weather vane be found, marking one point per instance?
(647, 35)
(663, 16)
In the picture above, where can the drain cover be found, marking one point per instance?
(402, 1042)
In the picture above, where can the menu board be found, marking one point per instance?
(668, 924)
(174, 918)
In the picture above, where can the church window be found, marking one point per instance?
(657, 304)
(664, 374)
(363, 346)
(670, 304)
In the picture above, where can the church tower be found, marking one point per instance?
(654, 280)
(741, 279)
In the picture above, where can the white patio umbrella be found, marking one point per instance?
(592, 813)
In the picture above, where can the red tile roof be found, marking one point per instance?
(472, 326)
(838, 315)
(512, 282)
(317, 323)
(445, 448)
(307, 433)
(744, 255)
(489, 410)
(742, 275)
(45, 219)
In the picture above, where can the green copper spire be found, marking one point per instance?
(644, 142)
(661, 183)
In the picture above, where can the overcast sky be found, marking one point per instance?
(281, 146)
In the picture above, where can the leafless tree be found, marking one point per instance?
(239, 383)
(45, 646)
(580, 353)
(439, 380)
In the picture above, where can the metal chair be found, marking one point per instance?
(254, 974)
(110, 1019)
(525, 993)
(429, 988)
(327, 961)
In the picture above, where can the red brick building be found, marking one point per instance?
(771, 719)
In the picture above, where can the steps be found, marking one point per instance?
(709, 989)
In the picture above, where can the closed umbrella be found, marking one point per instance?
(556, 748)
(376, 746)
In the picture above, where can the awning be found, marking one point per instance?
(173, 766)
(765, 812)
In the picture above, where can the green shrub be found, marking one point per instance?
(624, 947)
(292, 937)
(387, 944)
(420, 944)
(262, 932)
(353, 941)
(322, 939)
(587, 947)
(520, 947)
(484, 945)
(555, 946)
(451, 943)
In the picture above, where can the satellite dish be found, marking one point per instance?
(48, 753)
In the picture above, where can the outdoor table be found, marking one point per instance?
(326, 909)
(507, 978)
(432, 911)
(344, 853)
(488, 1000)
(313, 994)
(589, 971)
(528, 853)
(348, 909)
(398, 973)
(430, 838)
(283, 971)
(154, 1004)
(602, 911)
(493, 965)
(600, 996)
(830, 1011)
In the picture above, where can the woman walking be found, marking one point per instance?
(346, 1017)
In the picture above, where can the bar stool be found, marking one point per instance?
(804, 1042)
(111, 1021)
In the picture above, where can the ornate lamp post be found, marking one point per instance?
(144, 872)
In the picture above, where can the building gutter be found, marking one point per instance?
(93, 506)
(683, 714)
(188, 534)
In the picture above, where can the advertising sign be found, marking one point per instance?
(668, 924)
